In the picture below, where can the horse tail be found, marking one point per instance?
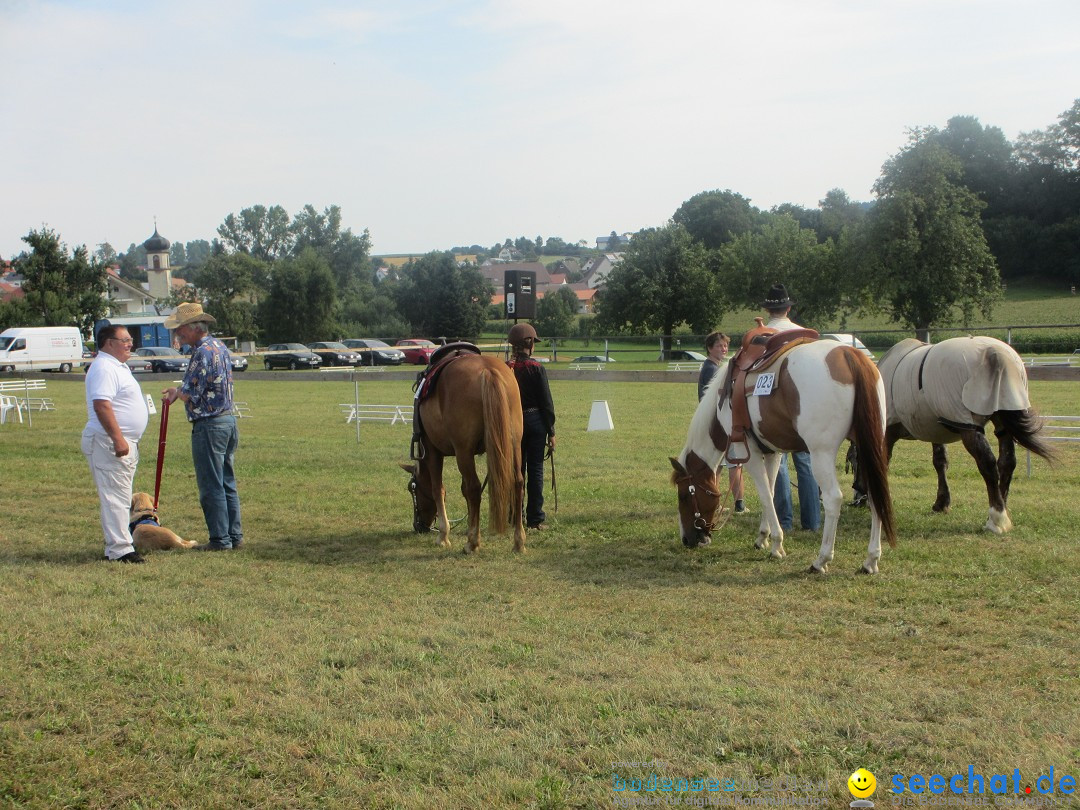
(1024, 427)
(501, 451)
(868, 426)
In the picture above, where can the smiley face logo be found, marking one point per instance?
(862, 784)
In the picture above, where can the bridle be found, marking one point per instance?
(700, 523)
(419, 527)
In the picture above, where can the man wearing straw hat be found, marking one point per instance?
(207, 393)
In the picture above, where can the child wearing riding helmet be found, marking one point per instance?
(538, 413)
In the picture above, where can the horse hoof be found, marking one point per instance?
(865, 570)
(943, 508)
(814, 570)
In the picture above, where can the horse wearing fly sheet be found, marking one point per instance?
(809, 397)
(947, 392)
(468, 404)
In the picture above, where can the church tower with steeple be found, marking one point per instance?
(157, 265)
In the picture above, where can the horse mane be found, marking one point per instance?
(698, 438)
(503, 455)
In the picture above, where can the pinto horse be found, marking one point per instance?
(475, 408)
(947, 392)
(820, 393)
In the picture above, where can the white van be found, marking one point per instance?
(40, 348)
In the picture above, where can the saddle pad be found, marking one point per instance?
(425, 384)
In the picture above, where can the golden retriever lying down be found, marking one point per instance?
(145, 531)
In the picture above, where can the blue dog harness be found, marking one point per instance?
(151, 519)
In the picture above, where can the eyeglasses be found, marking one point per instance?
(125, 341)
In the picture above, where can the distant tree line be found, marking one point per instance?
(956, 210)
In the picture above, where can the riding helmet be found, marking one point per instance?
(520, 333)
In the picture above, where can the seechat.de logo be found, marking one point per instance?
(976, 783)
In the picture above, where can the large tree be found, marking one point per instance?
(716, 217)
(555, 312)
(928, 257)
(227, 283)
(783, 251)
(441, 299)
(301, 304)
(259, 231)
(197, 252)
(62, 289)
(345, 252)
(662, 282)
(1042, 234)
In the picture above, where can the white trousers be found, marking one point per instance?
(113, 478)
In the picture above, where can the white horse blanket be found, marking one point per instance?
(962, 381)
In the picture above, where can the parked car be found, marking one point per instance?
(333, 353)
(163, 358)
(687, 356)
(375, 352)
(850, 340)
(138, 365)
(290, 355)
(417, 350)
(238, 363)
(593, 358)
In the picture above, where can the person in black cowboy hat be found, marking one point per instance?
(778, 304)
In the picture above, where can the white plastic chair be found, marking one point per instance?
(8, 404)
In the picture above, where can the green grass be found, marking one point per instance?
(343, 661)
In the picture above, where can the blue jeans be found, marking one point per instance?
(809, 498)
(213, 448)
(533, 446)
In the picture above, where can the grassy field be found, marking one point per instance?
(343, 661)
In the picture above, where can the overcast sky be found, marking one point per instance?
(436, 123)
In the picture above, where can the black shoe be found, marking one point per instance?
(131, 557)
(209, 547)
(539, 527)
(237, 545)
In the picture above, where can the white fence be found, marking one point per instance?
(1058, 429)
(356, 412)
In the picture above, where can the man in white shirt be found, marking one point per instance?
(778, 304)
(116, 418)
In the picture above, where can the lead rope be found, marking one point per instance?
(554, 489)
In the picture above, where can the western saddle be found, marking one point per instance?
(761, 347)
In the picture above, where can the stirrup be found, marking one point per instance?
(732, 458)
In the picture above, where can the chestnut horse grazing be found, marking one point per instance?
(946, 392)
(820, 393)
(474, 408)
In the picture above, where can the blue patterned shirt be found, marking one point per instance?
(208, 380)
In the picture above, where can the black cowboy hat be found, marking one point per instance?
(777, 298)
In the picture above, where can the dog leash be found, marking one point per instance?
(162, 433)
